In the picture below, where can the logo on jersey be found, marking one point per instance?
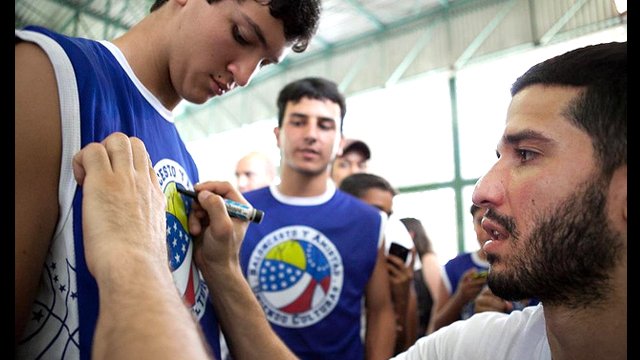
(297, 275)
(186, 276)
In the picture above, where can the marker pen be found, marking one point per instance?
(235, 209)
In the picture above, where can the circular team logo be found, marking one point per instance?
(297, 275)
(186, 276)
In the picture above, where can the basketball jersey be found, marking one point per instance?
(308, 263)
(99, 94)
(456, 267)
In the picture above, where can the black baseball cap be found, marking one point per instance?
(356, 145)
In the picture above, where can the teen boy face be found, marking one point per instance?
(212, 48)
(309, 138)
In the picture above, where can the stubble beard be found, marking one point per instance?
(568, 258)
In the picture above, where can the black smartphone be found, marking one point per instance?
(399, 251)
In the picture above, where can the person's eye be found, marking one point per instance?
(264, 63)
(327, 125)
(238, 36)
(525, 155)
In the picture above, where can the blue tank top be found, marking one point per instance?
(309, 262)
(99, 95)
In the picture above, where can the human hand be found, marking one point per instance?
(400, 274)
(217, 236)
(123, 208)
(469, 285)
(487, 301)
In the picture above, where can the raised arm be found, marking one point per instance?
(404, 298)
(380, 336)
(124, 223)
(37, 170)
(246, 329)
(449, 306)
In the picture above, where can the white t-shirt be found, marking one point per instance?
(488, 335)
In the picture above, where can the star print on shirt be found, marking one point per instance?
(37, 316)
(178, 240)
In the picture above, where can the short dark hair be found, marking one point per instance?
(601, 109)
(312, 88)
(354, 145)
(299, 17)
(357, 184)
(420, 238)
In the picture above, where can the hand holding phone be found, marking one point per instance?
(399, 251)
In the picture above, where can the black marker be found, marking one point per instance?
(235, 209)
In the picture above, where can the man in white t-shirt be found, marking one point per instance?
(556, 203)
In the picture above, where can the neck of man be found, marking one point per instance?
(139, 46)
(592, 332)
(295, 183)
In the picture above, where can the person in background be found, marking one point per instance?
(254, 170)
(556, 211)
(377, 192)
(71, 92)
(427, 278)
(353, 159)
(318, 252)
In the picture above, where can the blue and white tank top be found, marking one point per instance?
(99, 94)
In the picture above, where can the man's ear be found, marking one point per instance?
(276, 132)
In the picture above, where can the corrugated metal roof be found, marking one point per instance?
(105, 19)
(360, 44)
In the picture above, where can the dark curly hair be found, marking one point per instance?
(300, 18)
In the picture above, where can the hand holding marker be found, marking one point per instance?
(235, 209)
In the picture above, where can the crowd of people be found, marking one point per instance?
(121, 262)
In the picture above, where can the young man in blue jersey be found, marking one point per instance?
(319, 252)
(72, 92)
